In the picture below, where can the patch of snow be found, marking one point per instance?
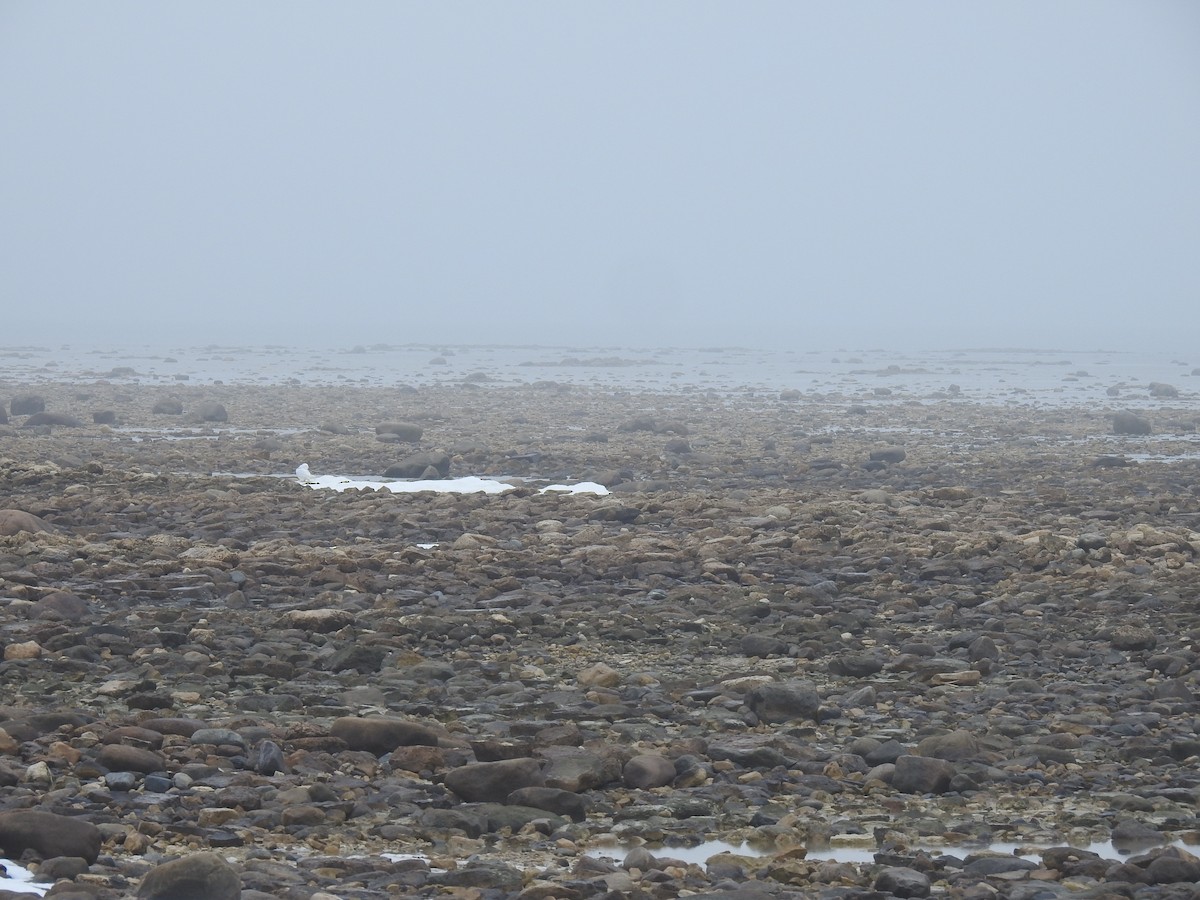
(470, 484)
(19, 880)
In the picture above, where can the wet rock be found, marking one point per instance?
(48, 835)
(200, 876)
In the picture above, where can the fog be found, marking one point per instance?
(783, 174)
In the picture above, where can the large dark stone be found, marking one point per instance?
(167, 407)
(417, 464)
(28, 404)
(494, 781)
(922, 775)
(201, 876)
(380, 736)
(400, 431)
(52, 418)
(784, 702)
(211, 411)
(48, 835)
(1126, 422)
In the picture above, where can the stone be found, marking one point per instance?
(648, 770)
(554, 800)
(400, 431)
(956, 745)
(123, 758)
(13, 521)
(901, 881)
(416, 465)
(53, 418)
(48, 835)
(167, 407)
(787, 702)
(27, 404)
(61, 606)
(211, 411)
(1127, 422)
(200, 876)
(922, 775)
(494, 781)
(382, 735)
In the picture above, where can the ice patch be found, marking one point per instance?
(19, 880)
(469, 484)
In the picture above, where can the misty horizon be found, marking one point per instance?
(806, 176)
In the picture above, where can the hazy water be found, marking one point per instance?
(1051, 378)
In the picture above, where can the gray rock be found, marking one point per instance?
(380, 736)
(648, 770)
(922, 775)
(555, 800)
(416, 465)
(201, 876)
(784, 702)
(121, 758)
(27, 404)
(53, 418)
(167, 407)
(48, 835)
(400, 431)
(956, 745)
(900, 881)
(494, 781)
(211, 411)
(763, 645)
(1126, 422)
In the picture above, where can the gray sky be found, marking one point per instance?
(832, 174)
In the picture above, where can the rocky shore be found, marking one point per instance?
(799, 622)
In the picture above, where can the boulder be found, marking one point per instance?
(922, 775)
(953, 746)
(555, 800)
(1163, 391)
(784, 702)
(15, 520)
(648, 770)
(27, 404)
(211, 411)
(123, 758)
(61, 606)
(889, 455)
(380, 736)
(416, 465)
(494, 781)
(167, 407)
(48, 835)
(201, 876)
(52, 418)
(400, 431)
(1126, 422)
(104, 417)
(900, 881)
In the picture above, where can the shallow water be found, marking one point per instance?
(1003, 376)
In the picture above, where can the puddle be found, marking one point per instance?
(701, 853)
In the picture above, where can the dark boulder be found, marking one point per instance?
(48, 835)
(201, 876)
(28, 404)
(1126, 422)
(51, 418)
(417, 464)
(211, 411)
(399, 431)
(167, 407)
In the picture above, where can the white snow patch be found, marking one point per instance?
(19, 880)
(470, 484)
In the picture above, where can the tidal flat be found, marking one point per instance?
(908, 620)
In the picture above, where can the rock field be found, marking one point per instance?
(796, 624)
